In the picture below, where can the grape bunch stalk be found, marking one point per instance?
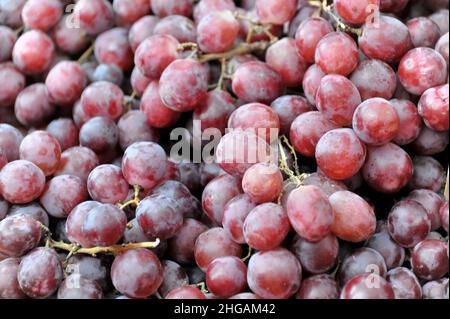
(224, 149)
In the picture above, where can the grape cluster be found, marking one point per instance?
(323, 124)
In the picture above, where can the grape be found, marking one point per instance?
(187, 204)
(430, 142)
(256, 117)
(356, 11)
(19, 234)
(337, 98)
(245, 296)
(290, 65)
(354, 219)
(62, 193)
(21, 182)
(257, 82)
(4, 207)
(139, 82)
(181, 246)
(9, 286)
(337, 53)
(189, 175)
(13, 82)
(37, 113)
(428, 174)
(263, 182)
(217, 32)
(109, 73)
(34, 210)
(111, 47)
(11, 13)
(274, 274)
(78, 287)
(266, 227)
(75, 222)
(163, 8)
(444, 216)
(340, 154)
(103, 225)
(257, 35)
(226, 276)
(421, 69)
(135, 234)
(141, 30)
(393, 254)
(109, 105)
(362, 261)
(288, 108)
(205, 7)
(186, 293)
(434, 108)
(127, 12)
(429, 259)
(8, 39)
(78, 161)
(388, 168)
(133, 128)
(442, 46)
(405, 283)
(311, 82)
(410, 121)
(183, 85)
(217, 194)
(235, 213)
(316, 257)
(43, 150)
(374, 78)
(424, 32)
(440, 18)
(33, 52)
(107, 185)
(180, 27)
(376, 121)
(318, 287)
(95, 16)
(368, 286)
(275, 11)
(310, 213)
(174, 276)
(67, 39)
(41, 14)
(144, 280)
(393, 6)
(387, 40)
(436, 289)
(308, 35)
(100, 134)
(432, 202)
(40, 273)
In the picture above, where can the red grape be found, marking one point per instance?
(288, 108)
(127, 12)
(106, 184)
(276, 12)
(318, 287)
(337, 98)
(356, 11)
(428, 174)
(234, 215)
(388, 168)
(133, 128)
(9, 286)
(310, 213)
(429, 259)
(263, 182)
(257, 82)
(226, 276)
(163, 8)
(283, 57)
(354, 219)
(100, 134)
(174, 276)
(274, 274)
(387, 40)
(41, 14)
(367, 286)
(434, 108)
(337, 53)
(318, 257)
(410, 121)
(95, 16)
(78, 161)
(11, 13)
(181, 28)
(76, 286)
(207, 6)
(144, 280)
(217, 31)
(7, 39)
(442, 46)
(34, 210)
(212, 244)
(102, 99)
(112, 47)
(374, 78)
(139, 82)
(33, 52)
(308, 35)
(141, 30)
(13, 83)
(430, 142)
(18, 235)
(183, 85)
(405, 283)
(437, 289)
(67, 39)
(75, 220)
(340, 154)
(185, 293)
(393, 6)
(144, 164)
(444, 216)
(37, 113)
(424, 32)
(432, 202)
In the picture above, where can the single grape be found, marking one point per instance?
(356, 11)
(181, 28)
(144, 280)
(354, 219)
(410, 121)
(174, 276)
(67, 39)
(368, 286)
(13, 83)
(95, 16)
(127, 12)
(205, 7)
(245, 296)
(362, 261)
(308, 35)
(310, 213)
(75, 222)
(318, 287)
(9, 286)
(141, 30)
(430, 142)
(163, 8)
(12, 13)
(139, 82)
(109, 105)
(263, 182)
(444, 216)
(226, 276)
(186, 293)
(100, 134)
(392, 6)
(19, 234)
(442, 46)
(76, 286)
(393, 254)
(217, 31)
(437, 289)
(434, 108)
(405, 283)
(340, 154)
(432, 202)
(288, 108)
(274, 274)
(107, 185)
(41, 15)
(109, 73)
(428, 174)
(429, 259)
(7, 39)
(133, 128)
(424, 32)
(275, 11)
(78, 161)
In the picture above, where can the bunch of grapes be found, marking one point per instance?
(319, 174)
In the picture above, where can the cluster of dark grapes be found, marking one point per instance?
(93, 206)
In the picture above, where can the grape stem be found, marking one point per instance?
(294, 176)
(243, 48)
(202, 287)
(19, 31)
(135, 201)
(86, 55)
(249, 254)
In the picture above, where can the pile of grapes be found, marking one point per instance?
(344, 102)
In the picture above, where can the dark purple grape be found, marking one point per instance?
(429, 259)
(174, 276)
(76, 286)
(362, 261)
(405, 283)
(368, 286)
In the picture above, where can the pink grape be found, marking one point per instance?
(217, 32)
